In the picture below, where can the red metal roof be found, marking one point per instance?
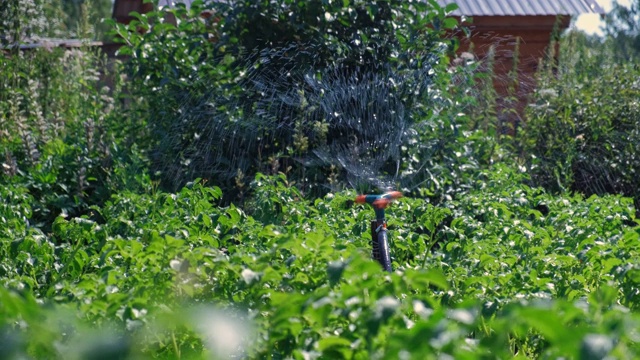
(524, 7)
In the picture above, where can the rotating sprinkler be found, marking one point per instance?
(379, 239)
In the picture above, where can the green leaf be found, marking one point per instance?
(451, 7)
(206, 220)
(450, 23)
(333, 342)
(425, 278)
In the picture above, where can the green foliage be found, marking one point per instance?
(171, 68)
(357, 32)
(554, 241)
(515, 271)
(20, 21)
(96, 260)
(623, 30)
(583, 128)
(85, 19)
(27, 21)
(62, 130)
(201, 78)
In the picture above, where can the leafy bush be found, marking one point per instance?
(225, 102)
(622, 30)
(30, 21)
(583, 129)
(63, 131)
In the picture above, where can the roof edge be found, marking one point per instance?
(516, 8)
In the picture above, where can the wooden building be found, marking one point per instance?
(498, 25)
(122, 8)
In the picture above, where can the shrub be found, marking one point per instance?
(244, 90)
(64, 133)
(583, 128)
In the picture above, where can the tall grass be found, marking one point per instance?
(64, 129)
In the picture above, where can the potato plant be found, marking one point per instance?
(506, 270)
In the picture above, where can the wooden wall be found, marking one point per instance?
(502, 33)
(122, 9)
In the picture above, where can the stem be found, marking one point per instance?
(426, 252)
(176, 349)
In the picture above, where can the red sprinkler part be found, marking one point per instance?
(379, 202)
(386, 199)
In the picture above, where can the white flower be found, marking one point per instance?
(250, 276)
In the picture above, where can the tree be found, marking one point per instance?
(623, 29)
(84, 18)
(255, 76)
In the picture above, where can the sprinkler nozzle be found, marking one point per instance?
(379, 202)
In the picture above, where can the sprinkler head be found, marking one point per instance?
(379, 202)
